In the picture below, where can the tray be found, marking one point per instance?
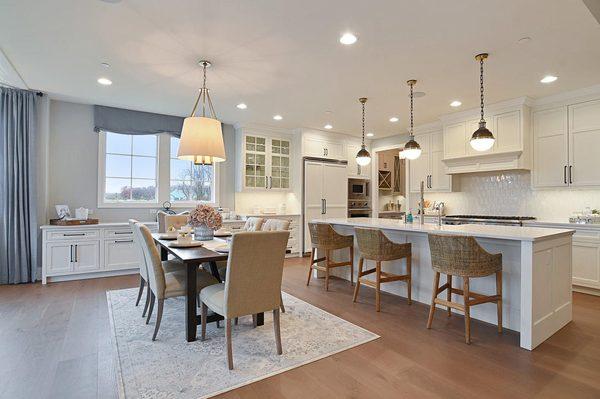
(73, 222)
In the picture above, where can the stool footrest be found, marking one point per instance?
(453, 305)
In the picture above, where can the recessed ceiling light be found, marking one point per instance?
(328, 126)
(105, 81)
(242, 106)
(105, 64)
(524, 40)
(278, 117)
(394, 119)
(548, 79)
(455, 103)
(348, 38)
(370, 134)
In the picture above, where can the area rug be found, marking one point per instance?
(171, 367)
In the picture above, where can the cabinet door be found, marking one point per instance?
(584, 142)
(419, 169)
(58, 258)
(121, 254)
(550, 143)
(334, 150)
(335, 191)
(87, 256)
(313, 196)
(438, 180)
(255, 162)
(314, 147)
(507, 130)
(586, 261)
(455, 142)
(279, 164)
(353, 168)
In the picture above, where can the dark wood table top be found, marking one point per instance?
(199, 254)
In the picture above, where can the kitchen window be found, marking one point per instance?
(190, 183)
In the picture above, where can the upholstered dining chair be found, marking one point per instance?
(143, 269)
(165, 220)
(253, 282)
(253, 224)
(275, 225)
(165, 285)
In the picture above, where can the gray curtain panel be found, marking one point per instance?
(18, 219)
(126, 121)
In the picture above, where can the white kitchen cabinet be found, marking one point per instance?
(586, 259)
(121, 254)
(508, 132)
(550, 143)
(86, 256)
(354, 169)
(429, 167)
(584, 142)
(455, 145)
(322, 147)
(59, 258)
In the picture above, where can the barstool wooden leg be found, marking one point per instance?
(378, 286)
(467, 310)
(409, 279)
(436, 283)
(310, 269)
(327, 257)
(360, 269)
(352, 265)
(499, 302)
(449, 293)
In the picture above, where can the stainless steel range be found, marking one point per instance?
(486, 219)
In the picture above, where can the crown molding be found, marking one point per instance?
(507, 104)
(569, 97)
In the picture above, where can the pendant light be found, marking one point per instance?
(363, 158)
(482, 139)
(201, 136)
(412, 149)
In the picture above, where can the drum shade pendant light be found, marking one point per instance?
(363, 158)
(482, 139)
(201, 136)
(412, 149)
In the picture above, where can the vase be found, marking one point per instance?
(203, 233)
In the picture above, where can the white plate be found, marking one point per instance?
(191, 244)
(222, 233)
(167, 236)
(224, 248)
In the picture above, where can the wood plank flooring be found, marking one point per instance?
(55, 343)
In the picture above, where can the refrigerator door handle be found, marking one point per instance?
(325, 200)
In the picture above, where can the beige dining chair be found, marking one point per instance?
(252, 285)
(165, 220)
(253, 224)
(165, 285)
(275, 225)
(143, 269)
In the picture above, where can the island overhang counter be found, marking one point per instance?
(537, 295)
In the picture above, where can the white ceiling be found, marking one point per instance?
(283, 57)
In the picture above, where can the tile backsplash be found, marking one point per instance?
(510, 193)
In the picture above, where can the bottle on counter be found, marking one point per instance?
(409, 217)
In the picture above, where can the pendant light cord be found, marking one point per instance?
(481, 86)
(363, 125)
(412, 136)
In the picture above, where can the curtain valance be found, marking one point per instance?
(125, 121)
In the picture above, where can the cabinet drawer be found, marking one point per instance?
(121, 253)
(118, 233)
(67, 235)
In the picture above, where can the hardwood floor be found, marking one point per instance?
(55, 343)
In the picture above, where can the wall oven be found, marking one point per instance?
(358, 189)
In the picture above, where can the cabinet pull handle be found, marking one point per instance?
(325, 205)
(266, 182)
(116, 241)
(71, 252)
(565, 174)
(76, 256)
(570, 174)
(73, 234)
(123, 232)
(270, 182)
(322, 206)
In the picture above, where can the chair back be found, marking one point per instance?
(156, 274)
(458, 255)
(254, 271)
(374, 245)
(323, 236)
(253, 224)
(275, 225)
(138, 246)
(165, 220)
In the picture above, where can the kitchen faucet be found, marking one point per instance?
(439, 207)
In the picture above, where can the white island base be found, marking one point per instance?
(536, 279)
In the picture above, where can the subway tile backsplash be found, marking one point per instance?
(510, 193)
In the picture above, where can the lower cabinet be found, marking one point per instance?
(121, 254)
(586, 260)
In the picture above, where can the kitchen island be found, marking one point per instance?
(537, 298)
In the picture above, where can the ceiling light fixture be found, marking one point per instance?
(201, 136)
(348, 38)
(370, 134)
(242, 106)
(278, 117)
(363, 158)
(328, 126)
(455, 103)
(548, 79)
(104, 81)
(412, 149)
(394, 119)
(482, 139)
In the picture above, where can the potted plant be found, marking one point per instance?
(205, 220)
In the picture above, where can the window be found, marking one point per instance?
(189, 182)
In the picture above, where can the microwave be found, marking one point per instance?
(358, 188)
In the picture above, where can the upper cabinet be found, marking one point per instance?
(429, 167)
(565, 142)
(510, 125)
(354, 169)
(265, 160)
(323, 147)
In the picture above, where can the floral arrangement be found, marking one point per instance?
(205, 216)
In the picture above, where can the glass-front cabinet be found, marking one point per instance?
(266, 163)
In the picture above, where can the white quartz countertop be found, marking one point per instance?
(93, 226)
(561, 223)
(476, 230)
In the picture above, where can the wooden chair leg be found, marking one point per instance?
(378, 286)
(152, 299)
(449, 293)
(310, 269)
(140, 291)
(352, 265)
(467, 310)
(327, 258)
(499, 303)
(203, 315)
(254, 321)
(229, 346)
(159, 313)
(277, 329)
(409, 280)
(360, 269)
(436, 283)
(148, 295)
(236, 321)
(281, 306)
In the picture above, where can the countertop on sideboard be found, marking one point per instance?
(93, 226)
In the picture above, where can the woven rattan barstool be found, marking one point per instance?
(374, 245)
(462, 256)
(324, 238)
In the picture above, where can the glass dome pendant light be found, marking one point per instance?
(412, 149)
(363, 158)
(482, 139)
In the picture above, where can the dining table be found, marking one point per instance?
(206, 256)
